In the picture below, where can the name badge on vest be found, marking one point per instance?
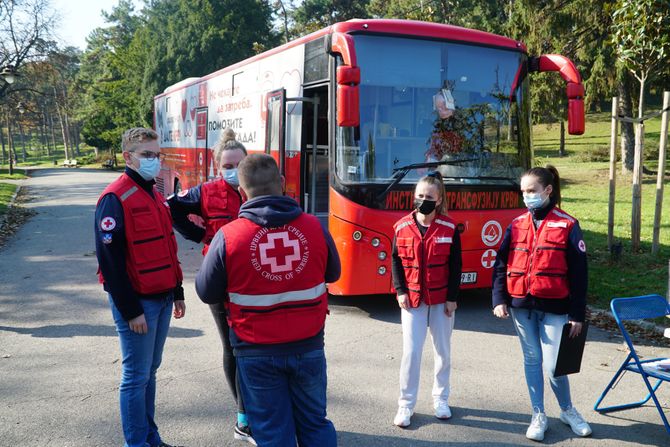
(443, 240)
(557, 224)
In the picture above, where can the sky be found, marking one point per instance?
(79, 18)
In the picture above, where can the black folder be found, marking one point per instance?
(570, 351)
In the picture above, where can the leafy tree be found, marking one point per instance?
(312, 15)
(640, 31)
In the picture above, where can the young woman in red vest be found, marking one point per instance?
(540, 278)
(426, 276)
(217, 203)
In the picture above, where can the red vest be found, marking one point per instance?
(537, 262)
(220, 204)
(276, 280)
(151, 247)
(425, 260)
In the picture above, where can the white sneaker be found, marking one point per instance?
(402, 417)
(442, 410)
(537, 427)
(575, 420)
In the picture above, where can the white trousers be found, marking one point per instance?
(415, 324)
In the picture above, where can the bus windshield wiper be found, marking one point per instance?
(482, 177)
(402, 171)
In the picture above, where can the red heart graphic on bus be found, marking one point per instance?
(184, 107)
(192, 113)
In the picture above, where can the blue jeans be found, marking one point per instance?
(540, 336)
(285, 398)
(142, 355)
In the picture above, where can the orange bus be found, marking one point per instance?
(355, 113)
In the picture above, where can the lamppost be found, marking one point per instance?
(21, 109)
(8, 76)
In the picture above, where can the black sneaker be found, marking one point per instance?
(243, 434)
(164, 444)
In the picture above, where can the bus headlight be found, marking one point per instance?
(381, 255)
(381, 270)
(357, 235)
(375, 242)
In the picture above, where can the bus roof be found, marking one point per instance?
(374, 26)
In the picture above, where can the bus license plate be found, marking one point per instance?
(468, 277)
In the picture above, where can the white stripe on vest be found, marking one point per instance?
(445, 223)
(278, 298)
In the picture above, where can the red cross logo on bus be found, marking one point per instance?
(107, 224)
(488, 258)
(279, 252)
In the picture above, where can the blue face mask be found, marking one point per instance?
(534, 201)
(149, 169)
(230, 176)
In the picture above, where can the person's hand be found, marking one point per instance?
(450, 307)
(179, 309)
(500, 311)
(575, 328)
(403, 301)
(138, 324)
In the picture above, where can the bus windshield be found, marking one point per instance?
(427, 101)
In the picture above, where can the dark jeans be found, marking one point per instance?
(229, 363)
(286, 396)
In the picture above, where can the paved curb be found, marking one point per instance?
(655, 328)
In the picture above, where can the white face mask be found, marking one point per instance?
(230, 176)
(534, 201)
(149, 169)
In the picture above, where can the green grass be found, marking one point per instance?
(38, 158)
(6, 192)
(585, 191)
(17, 175)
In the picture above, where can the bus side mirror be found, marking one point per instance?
(575, 108)
(348, 78)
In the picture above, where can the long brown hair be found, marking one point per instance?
(435, 178)
(548, 176)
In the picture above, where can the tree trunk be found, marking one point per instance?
(561, 148)
(63, 133)
(24, 153)
(636, 217)
(53, 133)
(2, 141)
(627, 134)
(10, 141)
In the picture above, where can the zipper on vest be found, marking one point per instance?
(285, 306)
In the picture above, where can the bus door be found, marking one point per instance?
(203, 161)
(315, 152)
(275, 129)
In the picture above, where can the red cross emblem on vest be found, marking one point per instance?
(107, 224)
(279, 252)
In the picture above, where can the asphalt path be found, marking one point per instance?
(60, 361)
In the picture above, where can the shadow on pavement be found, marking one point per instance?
(89, 330)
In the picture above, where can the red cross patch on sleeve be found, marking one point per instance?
(107, 223)
(582, 246)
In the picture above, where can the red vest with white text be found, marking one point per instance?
(537, 262)
(276, 280)
(151, 247)
(220, 204)
(425, 259)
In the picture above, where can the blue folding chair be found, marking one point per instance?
(635, 308)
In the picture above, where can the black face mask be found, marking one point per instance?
(425, 206)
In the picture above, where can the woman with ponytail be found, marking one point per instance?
(540, 279)
(427, 276)
(216, 202)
